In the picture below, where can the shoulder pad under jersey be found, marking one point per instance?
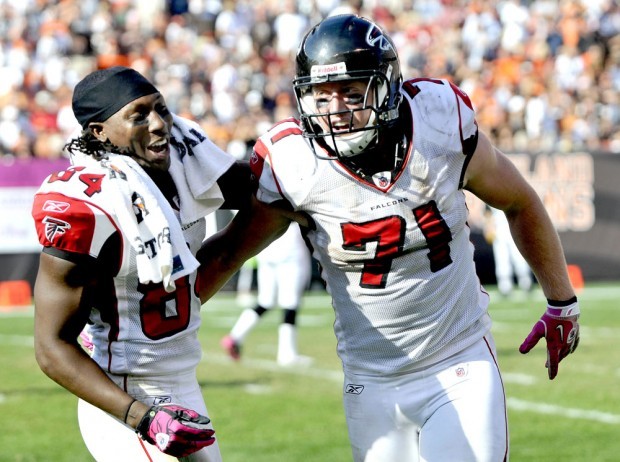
(444, 109)
(283, 163)
(70, 213)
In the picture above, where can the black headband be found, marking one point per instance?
(103, 93)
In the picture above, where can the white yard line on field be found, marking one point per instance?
(519, 379)
(16, 312)
(571, 413)
(19, 340)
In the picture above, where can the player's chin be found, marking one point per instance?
(158, 158)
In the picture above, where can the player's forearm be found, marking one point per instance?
(539, 243)
(223, 254)
(217, 266)
(69, 366)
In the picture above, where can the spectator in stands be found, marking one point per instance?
(176, 46)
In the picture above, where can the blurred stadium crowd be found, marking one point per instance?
(542, 74)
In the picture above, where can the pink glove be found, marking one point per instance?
(175, 430)
(560, 329)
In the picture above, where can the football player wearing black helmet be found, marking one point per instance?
(388, 223)
(352, 55)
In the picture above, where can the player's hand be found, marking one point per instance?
(560, 329)
(175, 430)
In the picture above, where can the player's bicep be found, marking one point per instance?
(493, 178)
(236, 186)
(58, 298)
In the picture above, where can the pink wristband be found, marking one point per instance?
(565, 311)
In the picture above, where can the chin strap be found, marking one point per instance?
(378, 177)
(399, 155)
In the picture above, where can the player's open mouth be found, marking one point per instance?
(160, 147)
(341, 127)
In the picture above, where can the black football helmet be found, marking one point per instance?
(341, 48)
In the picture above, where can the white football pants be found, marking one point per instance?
(282, 283)
(452, 411)
(109, 440)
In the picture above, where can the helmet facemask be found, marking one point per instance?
(344, 141)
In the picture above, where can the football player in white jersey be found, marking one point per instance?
(375, 171)
(509, 263)
(283, 274)
(139, 397)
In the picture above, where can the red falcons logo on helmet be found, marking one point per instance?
(375, 38)
(55, 227)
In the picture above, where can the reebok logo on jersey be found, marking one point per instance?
(55, 206)
(353, 389)
(162, 400)
(54, 227)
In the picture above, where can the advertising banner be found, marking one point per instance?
(581, 192)
(19, 180)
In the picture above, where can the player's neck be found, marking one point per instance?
(166, 185)
(385, 156)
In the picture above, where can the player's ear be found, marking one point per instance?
(98, 131)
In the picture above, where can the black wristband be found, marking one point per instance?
(142, 428)
(128, 408)
(558, 303)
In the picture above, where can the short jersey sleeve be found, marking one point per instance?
(270, 147)
(446, 113)
(284, 165)
(71, 225)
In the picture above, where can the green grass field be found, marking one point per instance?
(266, 413)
